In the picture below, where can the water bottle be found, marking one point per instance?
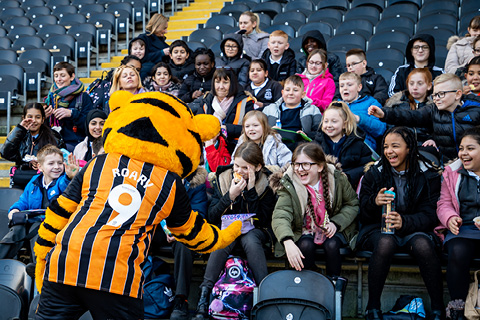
(386, 209)
(278, 124)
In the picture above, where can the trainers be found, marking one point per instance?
(180, 309)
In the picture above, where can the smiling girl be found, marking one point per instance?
(198, 83)
(472, 75)
(316, 206)
(457, 211)
(256, 129)
(162, 80)
(94, 122)
(318, 82)
(416, 184)
(338, 137)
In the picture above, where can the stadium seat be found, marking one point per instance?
(293, 19)
(234, 10)
(333, 4)
(10, 4)
(28, 4)
(214, 21)
(360, 27)
(9, 195)
(13, 22)
(265, 20)
(35, 75)
(305, 7)
(378, 4)
(345, 42)
(440, 55)
(385, 73)
(14, 276)
(85, 35)
(10, 303)
(248, 3)
(385, 58)
(388, 40)
(16, 31)
(437, 21)
(44, 20)
(8, 55)
(60, 11)
(465, 21)
(55, 3)
(5, 43)
(3, 32)
(271, 8)
(69, 20)
(441, 35)
(289, 30)
(332, 16)
(418, 3)
(34, 12)
(396, 24)
(469, 7)
(296, 44)
(324, 27)
(27, 42)
(206, 36)
(81, 3)
(11, 12)
(61, 51)
(48, 30)
(194, 45)
(371, 14)
(215, 47)
(408, 10)
(41, 54)
(440, 7)
(105, 25)
(89, 9)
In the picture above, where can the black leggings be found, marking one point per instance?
(333, 260)
(422, 248)
(460, 254)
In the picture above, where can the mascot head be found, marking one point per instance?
(159, 129)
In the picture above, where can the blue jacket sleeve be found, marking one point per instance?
(370, 124)
(25, 201)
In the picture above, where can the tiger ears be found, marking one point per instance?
(208, 126)
(119, 98)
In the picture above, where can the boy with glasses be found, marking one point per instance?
(232, 49)
(372, 84)
(279, 57)
(451, 115)
(420, 53)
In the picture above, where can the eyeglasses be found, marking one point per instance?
(231, 47)
(353, 64)
(476, 50)
(305, 165)
(441, 94)
(317, 63)
(424, 48)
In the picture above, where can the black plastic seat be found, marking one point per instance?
(289, 30)
(378, 4)
(469, 7)
(324, 27)
(440, 7)
(5, 43)
(28, 4)
(10, 195)
(440, 35)
(389, 40)
(44, 20)
(371, 14)
(11, 12)
(8, 55)
(10, 4)
(389, 59)
(305, 7)
(205, 36)
(13, 22)
(396, 24)
(105, 24)
(81, 3)
(440, 55)
(61, 47)
(437, 21)
(61, 11)
(465, 21)
(14, 276)
(215, 47)
(49, 30)
(270, 8)
(360, 27)
(11, 303)
(72, 19)
(265, 20)
(27, 42)
(329, 15)
(333, 4)
(3, 32)
(55, 3)
(34, 12)
(296, 45)
(418, 3)
(35, 72)
(40, 54)
(214, 21)
(16, 32)
(293, 19)
(408, 10)
(234, 10)
(345, 42)
(385, 73)
(194, 45)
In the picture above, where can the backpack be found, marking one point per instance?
(407, 307)
(99, 91)
(232, 294)
(157, 289)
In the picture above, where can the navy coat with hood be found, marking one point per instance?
(287, 67)
(181, 72)
(193, 83)
(237, 63)
(399, 78)
(334, 64)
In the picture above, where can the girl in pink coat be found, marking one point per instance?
(318, 81)
(459, 212)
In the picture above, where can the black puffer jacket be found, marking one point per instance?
(238, 64)
(19, 143)
(422, 216)
(446, 127)
(354, 155)
(399, 78)
(334, 64)
(400, 100)
(181, 72)
(287, 67)
(193, 83)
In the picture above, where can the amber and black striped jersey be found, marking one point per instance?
(104, 243)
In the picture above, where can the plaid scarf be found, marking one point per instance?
(61, 97)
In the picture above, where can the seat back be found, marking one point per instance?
(8, 196)
(13, 275)
(10, 303)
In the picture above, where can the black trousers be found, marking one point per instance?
(60, 302)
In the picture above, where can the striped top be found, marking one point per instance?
(106, 239)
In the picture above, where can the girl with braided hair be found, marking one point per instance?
(416, 184)
(316, 206)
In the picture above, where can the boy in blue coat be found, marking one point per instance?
(50, 183)
(350, 85)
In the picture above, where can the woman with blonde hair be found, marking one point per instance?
(255, 41)
(126, 78)
(154, 37)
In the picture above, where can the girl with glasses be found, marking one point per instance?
(317, 80)
(232, 49)
(316, 206)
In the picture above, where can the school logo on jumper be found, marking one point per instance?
(268, 94)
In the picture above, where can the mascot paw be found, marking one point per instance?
(39, 272)
(228, 235)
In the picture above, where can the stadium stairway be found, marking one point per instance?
(182, 23)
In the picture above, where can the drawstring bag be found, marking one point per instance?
(407, 307)
(472, 304)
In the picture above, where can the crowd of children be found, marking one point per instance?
(366, 138)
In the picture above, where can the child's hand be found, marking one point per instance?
(394, 219)
(300, 131)
(61, 113)
(48, 111)
(166, 51)
(170, 238)
(196, 94)
(211, 141)
(259, 104)
(237, 188)
(468, 89)
(34, 164)
(294, 254)
(251, 177)
(454, 224)
(71, 167)
(10, 214)
(383, 198)
(430, 143)
(376, 112)
(330, 229)
(26, 123)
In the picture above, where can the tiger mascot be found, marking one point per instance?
(93, 242)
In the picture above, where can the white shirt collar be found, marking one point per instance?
(273, 61)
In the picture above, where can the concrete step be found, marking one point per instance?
(4, 182)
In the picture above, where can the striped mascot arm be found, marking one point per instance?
(56, 217)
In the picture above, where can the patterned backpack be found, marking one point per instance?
(232, 294)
